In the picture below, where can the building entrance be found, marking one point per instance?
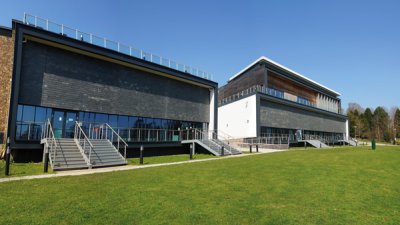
(63, 123)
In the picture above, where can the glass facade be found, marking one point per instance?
(303, 101)
(275, 92)
(30, 120)
(295, 134)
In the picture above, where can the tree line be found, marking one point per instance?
(379, 123)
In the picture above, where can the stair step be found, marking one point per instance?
(68, 155)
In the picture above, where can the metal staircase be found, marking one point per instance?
(315, 143)
(105, 154)
(350, 141)
(81, 152)
(66, 155)
(212, 142)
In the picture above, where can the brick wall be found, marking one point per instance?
(6, 63)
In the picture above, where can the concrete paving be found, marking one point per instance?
(123, 168)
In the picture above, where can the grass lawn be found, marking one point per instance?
(22, 169)
(167, 159)
(26, 169)
(336, 186)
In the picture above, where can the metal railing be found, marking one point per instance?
(327, 139)
(272, 92)
(105, 131)
(85, 146)
(269, 140)
(50, 142)
(63, 30)
(30, 131)
(151, 134)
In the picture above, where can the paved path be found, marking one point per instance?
(120, 168)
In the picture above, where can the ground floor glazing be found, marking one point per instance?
(30, 121)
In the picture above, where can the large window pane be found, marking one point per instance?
(40, 115)
(101, 118)
(28, 114)
(123, 122)
(81, 117)
(19, 113)
(132, 122)
(113, 121)
(140, 123)
(158, 123)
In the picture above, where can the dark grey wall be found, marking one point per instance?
(57, 78)
(283, 116)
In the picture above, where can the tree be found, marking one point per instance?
(355, 106)
(396, 122)
(380, 123)
(367, 123)
(354, 121)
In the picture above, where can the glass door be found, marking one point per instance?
(58, 123)
(70, 118)
(63, 123)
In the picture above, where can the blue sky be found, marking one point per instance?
(352, 47)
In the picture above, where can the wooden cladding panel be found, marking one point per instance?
(280, 83)
(247, 80)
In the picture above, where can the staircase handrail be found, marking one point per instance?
(206, 134)
(119, 138)
(215, 134)
(48, 134)
(79, 135)
(225, 135)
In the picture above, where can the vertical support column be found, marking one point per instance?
(213, 109)
(46, 158)
(191, 151)
(141, 154)
(8, 155)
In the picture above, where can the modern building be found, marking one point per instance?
(52, 73)
(267, 99)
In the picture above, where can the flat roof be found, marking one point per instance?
(263, 58)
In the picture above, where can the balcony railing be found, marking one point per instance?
(271, 92)
(113, 45)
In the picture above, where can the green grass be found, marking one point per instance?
(337, 186)
(26, 169)
(22, 169)
(167, 159)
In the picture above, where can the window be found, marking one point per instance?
(303, 101)
(275, 92)
(101, 118)
(30, 120)
(40, 114)
(113, 121)
(123, 122)
(28, 114)
(132, 122)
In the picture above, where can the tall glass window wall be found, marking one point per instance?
(30, 121)
(294, 134)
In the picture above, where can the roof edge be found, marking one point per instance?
(263, 58)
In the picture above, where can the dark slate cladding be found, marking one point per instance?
(279, 115)
(53, 77)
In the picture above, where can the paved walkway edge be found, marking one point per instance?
(122, 168)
